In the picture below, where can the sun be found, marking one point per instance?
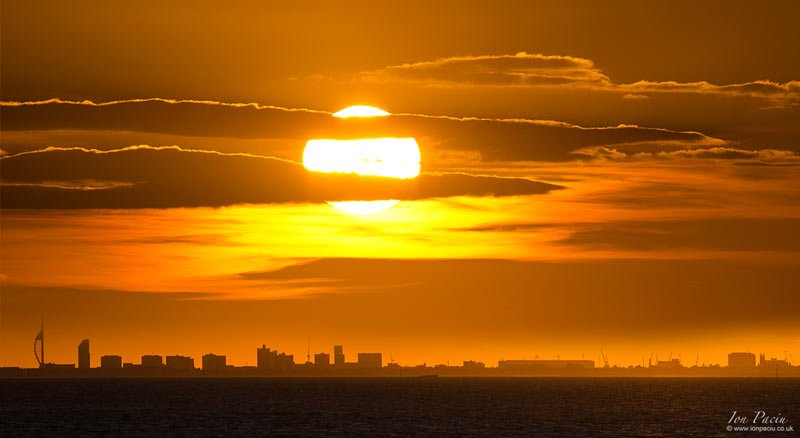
(394, 157)
(360, 111)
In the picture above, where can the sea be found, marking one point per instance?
(399, 407)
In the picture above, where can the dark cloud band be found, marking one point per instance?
(491, 139)
(150, 177)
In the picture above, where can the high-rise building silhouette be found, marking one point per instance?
(338, 355)
(83, 355)
(110, 362)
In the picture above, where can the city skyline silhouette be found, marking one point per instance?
(273, 362)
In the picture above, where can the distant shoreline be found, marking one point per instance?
(397, 372)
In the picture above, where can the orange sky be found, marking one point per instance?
(623, 178)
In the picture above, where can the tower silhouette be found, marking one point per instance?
(83, 355)
(38, 347)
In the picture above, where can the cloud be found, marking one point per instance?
(520, 69)
(87, 102)
(183, 117)
(635, 96)
(702, 234)
(762, 155)
(161, 177)
(491, 139)
(747, 234)
(73, 185)
(789, 91)
(638, 153)
(538, 70)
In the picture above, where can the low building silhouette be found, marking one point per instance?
(59, 366)
(111, 362)
(152, 361)
(370, 360)
(673, 363)
(772, 362)
(180, 363)
(741, 360)
(471, 364)
(285, 360)
(268, 359)
(212, 362)
(83, 355)
(322, 359)
(265, 357)
(527, 364)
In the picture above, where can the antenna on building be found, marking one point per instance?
(308, 353)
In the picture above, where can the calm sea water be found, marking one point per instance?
(391, 406)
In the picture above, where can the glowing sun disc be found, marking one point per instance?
(360, 111)
(393, 157)
(387, 157)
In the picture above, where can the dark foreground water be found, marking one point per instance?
(615, 407)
